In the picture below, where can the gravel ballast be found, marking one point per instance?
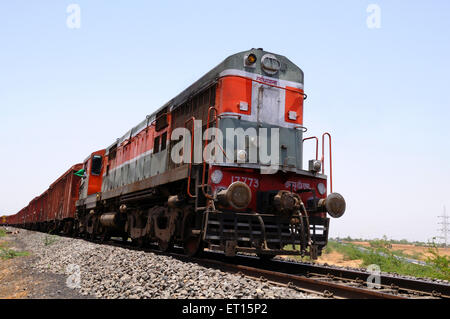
(107, 271)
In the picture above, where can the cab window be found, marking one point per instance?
(96, 165)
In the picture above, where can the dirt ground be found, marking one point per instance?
(18, 280)
(337, 259)
(410, 249)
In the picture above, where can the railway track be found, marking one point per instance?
(316, 285)
(390, 284)
(326, 281)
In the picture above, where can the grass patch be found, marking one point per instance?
(2, 232)
(7, 253)
(49, 239)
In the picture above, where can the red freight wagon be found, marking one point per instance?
(43, 207)
(10, 220)
(61, 197)
(32, 211)
(39, 208)
(26, 215)
(18, 219)
(55, 208)
(22, 216)
(14, 219)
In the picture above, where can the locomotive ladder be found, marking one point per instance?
(201, 174)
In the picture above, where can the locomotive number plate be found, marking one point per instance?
(250, 181)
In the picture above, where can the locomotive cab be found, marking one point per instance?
(93, 168)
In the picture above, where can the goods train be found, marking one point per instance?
(136, 189)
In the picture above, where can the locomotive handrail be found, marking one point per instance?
(323, 161)
(206, 144)
(317, 144)
(230, 114)
(304, 129)
(192, 151)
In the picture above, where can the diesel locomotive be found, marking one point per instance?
(157, 183)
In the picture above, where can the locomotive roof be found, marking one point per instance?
(288, 71)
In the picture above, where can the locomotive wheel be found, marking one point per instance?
(193, 246)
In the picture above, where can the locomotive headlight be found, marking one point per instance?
(321, 188)
(241, 156)
(270, 64)
(216, 176)
(251, 58)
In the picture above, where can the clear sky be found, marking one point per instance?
(383, 93)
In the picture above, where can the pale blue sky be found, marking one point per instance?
(382, 93)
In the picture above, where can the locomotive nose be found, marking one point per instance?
(334, 205)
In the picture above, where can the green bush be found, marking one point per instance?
(439, 262)
(438, 265)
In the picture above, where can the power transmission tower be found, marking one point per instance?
(445, 227)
